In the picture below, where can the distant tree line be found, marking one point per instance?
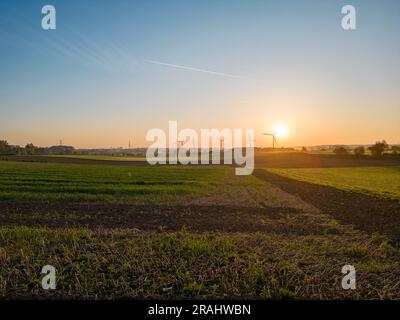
(30, 149)
(377, 150)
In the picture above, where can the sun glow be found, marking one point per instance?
(280, 130)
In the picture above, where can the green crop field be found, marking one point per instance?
(77, 182)
(101, 157)
(378, 181)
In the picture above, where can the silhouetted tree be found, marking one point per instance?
(4, 147)
(359, 151)
(3, 144)
(30, 149)
(304, 149)
(340, 151)
(378, 148)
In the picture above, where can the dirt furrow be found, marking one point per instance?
(367, 213)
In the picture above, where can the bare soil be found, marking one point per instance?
(150, 217)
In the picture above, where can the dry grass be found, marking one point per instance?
(128, 263)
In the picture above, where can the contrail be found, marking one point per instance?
(199, 70)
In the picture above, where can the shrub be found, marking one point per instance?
(340, 151)
(378, 148)
(359, 151)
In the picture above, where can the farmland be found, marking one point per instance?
(376, 181)
(118, 231)
(101, 157)
(66, 182)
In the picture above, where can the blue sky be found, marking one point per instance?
(91, 84)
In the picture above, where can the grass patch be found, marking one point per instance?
(378, 181)
(118, 264)
(25, 181)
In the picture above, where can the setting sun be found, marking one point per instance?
(280, 130)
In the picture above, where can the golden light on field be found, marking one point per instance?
(280, 130)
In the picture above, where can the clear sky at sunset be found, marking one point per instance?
(114, 69)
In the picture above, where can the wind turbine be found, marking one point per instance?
(250, 140)
(273, 138)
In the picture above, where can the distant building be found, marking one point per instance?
(60, 150)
